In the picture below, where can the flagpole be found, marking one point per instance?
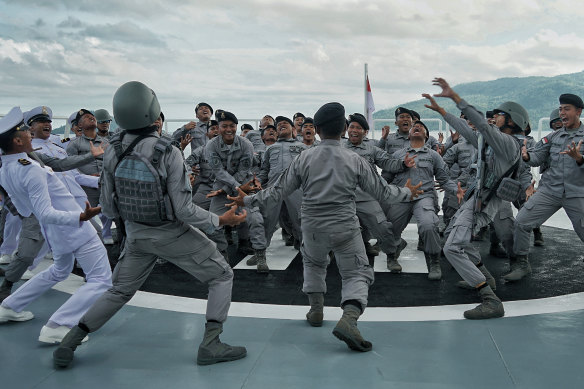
(365, 112)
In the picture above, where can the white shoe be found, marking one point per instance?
(55, 335)
(5, 259)
(27, 275)
(7, 314)
(108, 241)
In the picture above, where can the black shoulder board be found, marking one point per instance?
(65, 140)
(24, 161)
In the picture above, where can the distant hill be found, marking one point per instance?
(539, 95)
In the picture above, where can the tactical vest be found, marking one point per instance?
(140, 191)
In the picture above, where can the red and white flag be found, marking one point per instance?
(370, 104)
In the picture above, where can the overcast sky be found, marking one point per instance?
(254, 57)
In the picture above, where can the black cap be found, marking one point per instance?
(298, 115)
(415, 115)
(82, 112)
(284, 119)
(246, 127)
(224, 116)
(568, 98)
(328, 113)
(308, 121)
(401, 110)
(359, 118)
(262, 130)
(201, 105)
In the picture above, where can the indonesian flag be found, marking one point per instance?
(370, 104)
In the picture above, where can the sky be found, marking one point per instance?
(256, 57)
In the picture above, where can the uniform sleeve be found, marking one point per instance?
(462, 127)
(450, 156)
(381, 143)
(179, 191)
(265, 167)
(540, 154)
(64, 164)
(35, 181)
(86, 180)
(376, 187)
(287, 182)
(107, 185)
(386, 161)
(73, 148)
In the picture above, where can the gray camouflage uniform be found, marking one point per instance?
(329, 176)
(500, 155)
(80, 146)
(179, 241)
(560, 186)
(198, 135)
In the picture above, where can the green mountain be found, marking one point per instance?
(539, 95)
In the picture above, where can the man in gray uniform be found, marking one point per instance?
(369, 212)
(81, 146)
(168, 229)
(329, 176)
(196, 130)
(399, 139)
(560, 185)
(429, 167)
(495, 161)
(230, 157)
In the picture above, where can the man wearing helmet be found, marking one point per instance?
(171, 231)
(499, 153)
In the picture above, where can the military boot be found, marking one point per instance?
(347, 331)
(370, 250)
(434, 269)
(519, 269)
(252, 261)
(392, 263)
(490, 279)
(262, 266)
(537, 237)
(63, 355)
(212, 350)
(315, 314)
(497, 250)
(490, 308)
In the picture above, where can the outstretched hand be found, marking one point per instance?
(530, 190)
(415, 189)
(433, 104)
(231, 218)
(573, 151)
(97, 151)
(89, 212)
(454, 136)
(238, 200)
(524, 153)
(214, 193)
(410, 162)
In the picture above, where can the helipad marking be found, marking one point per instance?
(278, 255)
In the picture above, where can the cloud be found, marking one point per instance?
(70, 22)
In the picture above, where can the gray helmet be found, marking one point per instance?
(555, 115)
(518, 114)
(102, 115)
(135, 106)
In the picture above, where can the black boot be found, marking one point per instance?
(537, 237)
(63, 355)
(347, 331)
(212, 350)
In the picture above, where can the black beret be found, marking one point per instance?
(308, 121)
(298, 115)
(357, 117)
(490, 114)
(568, 98)
(414, 114)
(284, 119)
(218, 113)
(262, 130)
(213, 123)
(201, 105)
(328, 113)
(82, 112)
(422, 123)
(246, 126)
(161, 116)
(401, 110)
(224, 116)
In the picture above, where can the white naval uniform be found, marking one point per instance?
(37, 190)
